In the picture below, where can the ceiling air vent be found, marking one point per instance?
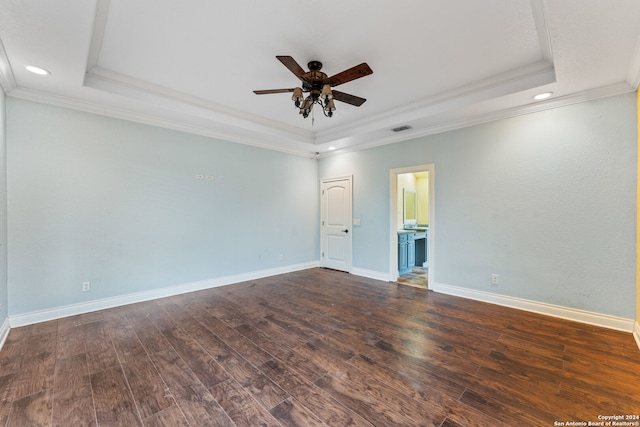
(401, 128)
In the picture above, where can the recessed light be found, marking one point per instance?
(332, 148)
(541, 96)
(38, 70)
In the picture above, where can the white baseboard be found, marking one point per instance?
(4, 332)
(582, 316)
(371, 274)
(101, 304)
(636, 332)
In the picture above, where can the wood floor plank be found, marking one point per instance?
(6, 397)
(44, 327)
(149, 390)
(240, 405)
(145, 328)
(229, 312)
(101, 354)
(505, 413)
(74, 406)
(375, 397)
(195, 401)
(33, 410)
(288, 308)
(72, 341)
(449, 383)
(125, 341)
(113, 400)
(303, 365)
(270, 344)
(246, 374)
(35, 374)
(40, 343)
(249, 350)
(71, 372)
(378, 404)
(426, 391)
(170, 417)
(316, 400)
(290, 413)
(201, 363)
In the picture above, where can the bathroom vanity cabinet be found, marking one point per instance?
(412, 249)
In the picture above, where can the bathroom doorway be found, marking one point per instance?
(412, 225)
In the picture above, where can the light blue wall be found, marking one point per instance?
(545, 200)
(117, 203)
(3, 212)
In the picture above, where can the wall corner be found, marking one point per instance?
(636, 332)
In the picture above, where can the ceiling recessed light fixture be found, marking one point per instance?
(332, 148)
(543, 95)
(37, 70)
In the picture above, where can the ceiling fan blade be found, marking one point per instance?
(269, 91)
(293, 66)
(348, 98)
(350, 74)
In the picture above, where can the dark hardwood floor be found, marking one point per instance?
(315, 348)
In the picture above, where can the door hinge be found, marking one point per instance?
(322, 254)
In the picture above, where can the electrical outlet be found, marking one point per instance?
(495, 279)
(281, 257)
(86, 286)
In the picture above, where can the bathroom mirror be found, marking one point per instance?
(410, 207)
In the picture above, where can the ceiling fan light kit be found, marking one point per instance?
(319, 86)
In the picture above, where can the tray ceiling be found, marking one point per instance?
(436, 65)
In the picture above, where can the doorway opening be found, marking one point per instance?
(412, 213)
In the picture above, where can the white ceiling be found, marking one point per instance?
(437, 65)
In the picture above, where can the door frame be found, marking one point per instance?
(323, 181)
(393, 228)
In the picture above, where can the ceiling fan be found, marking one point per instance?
(319, 86)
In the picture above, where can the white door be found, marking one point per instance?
(335, 234)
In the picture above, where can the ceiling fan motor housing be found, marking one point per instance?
(314, 81)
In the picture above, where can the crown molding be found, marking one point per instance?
(120, 84)
(361, 141)
(7, 79)
(227, 133)
(633, 75)
(533, 75)
(541, 19)
(379, 139)
(97, 34)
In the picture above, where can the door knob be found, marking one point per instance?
(345, 231)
